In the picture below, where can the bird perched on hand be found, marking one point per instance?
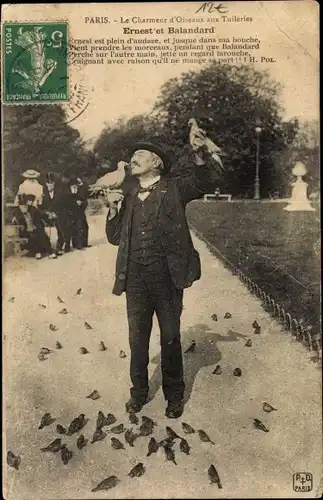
(212, 148)
(111, 180)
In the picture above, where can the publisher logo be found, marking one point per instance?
(302, 481)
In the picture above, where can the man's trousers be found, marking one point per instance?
(150, 289)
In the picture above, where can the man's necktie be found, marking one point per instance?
(149, 188)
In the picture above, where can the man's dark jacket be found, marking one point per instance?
(173, 193)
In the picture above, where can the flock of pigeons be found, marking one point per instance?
(106, 423)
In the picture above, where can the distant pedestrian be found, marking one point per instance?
(63, 209)
(32, 227)
(50, 209)
(31, 186)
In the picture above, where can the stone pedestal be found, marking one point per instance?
(299, 201)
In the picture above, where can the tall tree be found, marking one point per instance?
(229, 102)
(36, 136)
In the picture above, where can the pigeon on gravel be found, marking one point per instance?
(101, 420)
(133, 419)
(167, 442)
(130, 437)
(257, 330)
(214, 476)
(42, 306)
(12, 299)
(102, 346)
(259, 425)
(13, 460)
(83, 350)
(237, 372)
(153, 446)
(122, 354)
(79, 291)
(76, 425)
(58, 345)
(227, 315)
(66, 454)
(63, 311)
(116, 444)
(110, 419)
(53, 328)
(88, 326)
(146, 429)
(98, 435)
(118, 429)
(54, 446)
(184, 446)
(46, 420)
(41, 356)
(60, 300)
(255, 324)
(94, 395)
(60, 429)
(214, 317)
(204, 437)
(217, 370)
(172, 434)
(81, 442)
(248, 343)
(268, 408)
(137, 471)
(191, 348)
(107, 484)
(170, 454)
(45, 350)
(188, 429)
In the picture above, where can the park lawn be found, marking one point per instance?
(278, 250)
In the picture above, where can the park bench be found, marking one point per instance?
(12, 241)
(213, 196)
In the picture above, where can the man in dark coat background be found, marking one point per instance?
(156, 260)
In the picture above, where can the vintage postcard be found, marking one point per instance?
(161, 250)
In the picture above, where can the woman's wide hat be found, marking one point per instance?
(30, 174)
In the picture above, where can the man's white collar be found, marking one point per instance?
(149, 182)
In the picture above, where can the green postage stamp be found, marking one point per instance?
(35, 65)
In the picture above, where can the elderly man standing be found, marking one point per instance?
(157, 261)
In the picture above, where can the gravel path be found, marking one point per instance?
(251, 463)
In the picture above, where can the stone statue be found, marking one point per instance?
(299, 201)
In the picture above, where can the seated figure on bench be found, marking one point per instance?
(32, 227)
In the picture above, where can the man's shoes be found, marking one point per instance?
(38, 256)
(134, 406)
(174, 409)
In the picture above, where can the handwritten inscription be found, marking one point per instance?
(211, 7)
